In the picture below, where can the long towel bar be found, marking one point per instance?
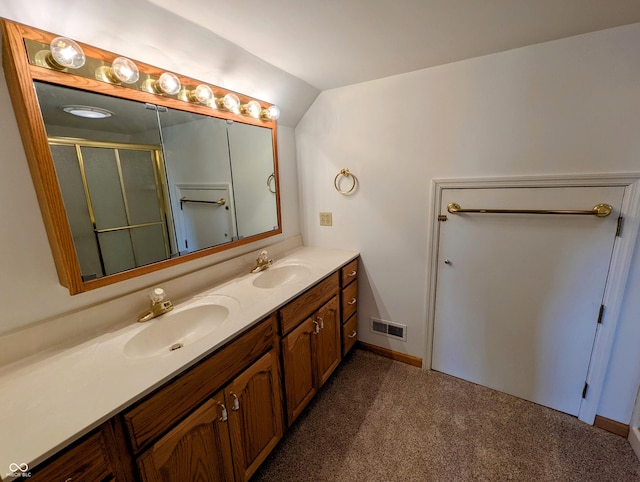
(219, 202)
(599, 210)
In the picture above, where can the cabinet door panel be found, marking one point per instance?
(298, 353)
(255, 415)
(328, 353)
(196, 449)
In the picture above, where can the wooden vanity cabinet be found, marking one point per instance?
(231, 433)
(349, 305)
(311, 343)
(219, 419)
(198, 434)
(101, 455)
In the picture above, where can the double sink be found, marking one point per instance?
(200, 316)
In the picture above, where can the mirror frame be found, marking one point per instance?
(20, 75)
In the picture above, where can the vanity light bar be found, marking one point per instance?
(64, 54)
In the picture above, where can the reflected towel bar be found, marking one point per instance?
(599, 210)
(219, 202)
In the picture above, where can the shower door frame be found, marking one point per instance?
(155, 152)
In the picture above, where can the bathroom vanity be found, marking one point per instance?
(115, 409)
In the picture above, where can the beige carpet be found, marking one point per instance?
(379, 420)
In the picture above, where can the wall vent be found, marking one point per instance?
(389, 328)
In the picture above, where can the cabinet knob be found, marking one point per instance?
(316, 330)
(352, 302)
(236, 402)
(353, 334)
(321, 321)
(352, 274)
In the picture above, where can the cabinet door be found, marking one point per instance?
(101, 455)
(255, 415)
(298, 353)
(87, 461)
(196, 449)
(328, 352)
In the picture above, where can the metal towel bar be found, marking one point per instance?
(219, 202)
(599, 210)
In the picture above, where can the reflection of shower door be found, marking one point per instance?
(205, 217)
(115, 204)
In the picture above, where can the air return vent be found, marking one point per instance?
(388, 328)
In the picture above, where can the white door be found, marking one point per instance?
(205, 217)
(518, 295)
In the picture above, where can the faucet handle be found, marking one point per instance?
(157, 295)
(263, 255)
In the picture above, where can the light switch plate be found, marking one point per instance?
(326, 219)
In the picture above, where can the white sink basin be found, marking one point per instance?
(281, 275)
(180, 327)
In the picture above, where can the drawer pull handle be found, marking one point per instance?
(225, 415)
(353, 334)
(321, 321)
(352, 274)
(316, 330)
(352, 302)
(236, 402)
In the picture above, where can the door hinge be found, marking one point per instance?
(585, 390)
(600, 314)
(620, 226)
(442, 217)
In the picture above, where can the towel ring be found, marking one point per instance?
(272, 177)
(354, 181)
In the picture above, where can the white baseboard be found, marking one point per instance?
(634, 440)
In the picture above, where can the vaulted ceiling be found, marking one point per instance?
(287, 51)
(332, 43)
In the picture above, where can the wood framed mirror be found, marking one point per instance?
(151, 178)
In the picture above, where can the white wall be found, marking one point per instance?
(565, 107)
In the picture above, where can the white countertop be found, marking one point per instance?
(50, 400)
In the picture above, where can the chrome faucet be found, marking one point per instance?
(263, 262)
(159, 305)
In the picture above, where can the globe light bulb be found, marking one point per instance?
(231, 102)
(271, 113)
(202, 94)
(65, 53)
(252, 108)
(168, 83)
(124, 70)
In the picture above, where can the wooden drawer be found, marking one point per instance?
(88, 460)
(163, 409)
(349, 301)
(349, 334)
(349, 272)
(295, 312)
